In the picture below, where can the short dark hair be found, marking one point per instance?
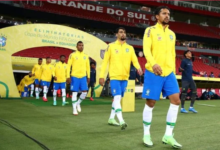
(48, 58)
(92, 63)
(120, 28)
(40, 59)
(158, 9)
(184, 54)
(62, 56)
(79, 43)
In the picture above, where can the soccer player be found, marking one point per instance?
(119, 55)
(80, 76)
(92, 79)
(46, 76)
(61, 73)
(159, 50)
(186, 68)
(36, 71)
(28, 81)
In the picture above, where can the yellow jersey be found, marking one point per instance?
(159, 48)
(21, 86)
(28, 80)
(47, 72)
(37, 71)
(61, 71)
(119, 56)
(80, 64)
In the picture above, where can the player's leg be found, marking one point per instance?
(37, 88)
(92, 90)
(63, 88)
(83, 86)
(193, 97)
(32, 90)
(25, 91)
(46, 86)
(151, 91)
(171, 89)
(55, 88)
(74, 87)
(185, 86)
(116, 93)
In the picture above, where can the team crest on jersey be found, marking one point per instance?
(171, 37)
(127, 50)
(147, 92)
(102, 53)
(84, 57)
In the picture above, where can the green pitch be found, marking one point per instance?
(58, 129)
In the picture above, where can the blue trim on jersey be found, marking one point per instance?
(154, 85)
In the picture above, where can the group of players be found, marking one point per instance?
(159, 76)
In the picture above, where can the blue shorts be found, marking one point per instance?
(45, 83)
(78, 84)
(26, 88)
(154, 85)
(37, 82)
(57, 86)
(118, 87)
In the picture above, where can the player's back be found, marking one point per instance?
(28, 80)
(160, 44)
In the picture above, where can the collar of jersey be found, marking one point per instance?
(119, 43)
(160, 26)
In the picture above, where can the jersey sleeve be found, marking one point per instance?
(33, 70)
(147, 44)
(135, 60)
(174, 55)
(88, 68)
(105, 61)
(70, 61)
(67, 72)
(54, 70)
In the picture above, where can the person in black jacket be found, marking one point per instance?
(92, 79)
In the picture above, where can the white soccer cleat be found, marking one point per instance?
(75, 113)
(78, 107)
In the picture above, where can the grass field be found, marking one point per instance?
(58, 129)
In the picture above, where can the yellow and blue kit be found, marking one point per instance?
(37, 73)
(61, 72)
(46, 75)
(80, 64)
(159, 48)
(119, 56)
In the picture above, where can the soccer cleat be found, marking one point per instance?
(75, 113)
(171, 141)
(193, 110)
(32, 96)
(37, 97)
(54, 103)
(183, 111)
(123, 125)
(78, 108)
(44, 99)
(147, 141)
(91, 99)
(113, 122)
(65, 103)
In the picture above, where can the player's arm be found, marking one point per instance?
(33, 70)
(135, 62)
(88, 70)
(147, 44)
(69, 64)
(67, 72)
(174, 55)
(104, 65)
(182, 66)
(54, 73)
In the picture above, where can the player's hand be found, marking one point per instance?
(25, 85)
(33, 74)
(55, 78)
(68, 80)
(140, 72)
(101, 81)
(201, 73)
(157, 69)
(88, 80)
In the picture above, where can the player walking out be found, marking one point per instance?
(186, 68)
(119, 55)
(159, 50)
